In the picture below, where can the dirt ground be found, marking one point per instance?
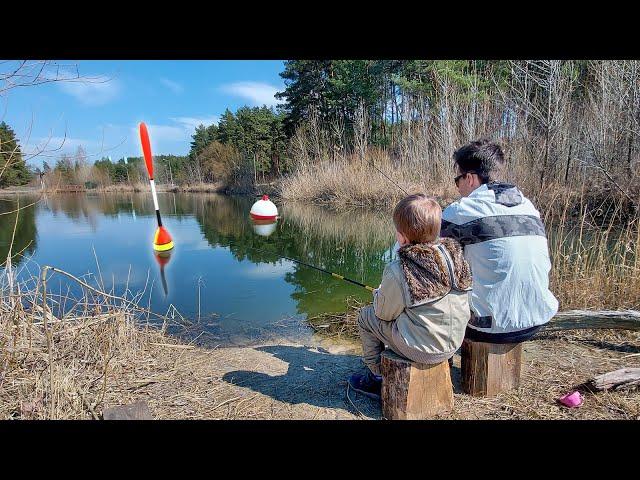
(91, 364)
(289, 381)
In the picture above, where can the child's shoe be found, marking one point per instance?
(367, 384)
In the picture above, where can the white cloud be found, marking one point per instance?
(180, 131)
(267, 270)
(190, 123)
(258, 93)
(171, 85)
(94, 91)
(167, 133)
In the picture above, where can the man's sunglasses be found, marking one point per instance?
(457, 179)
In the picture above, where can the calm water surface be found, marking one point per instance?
(224, 273)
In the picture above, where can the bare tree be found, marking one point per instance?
(541, 90)
(361, 130)
(29, 73)
(610, 127)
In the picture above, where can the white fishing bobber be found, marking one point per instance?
(264, 228)
(264, 209)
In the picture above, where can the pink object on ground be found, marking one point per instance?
(571, 400)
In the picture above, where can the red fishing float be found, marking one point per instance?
(264, 209)
(162, 241)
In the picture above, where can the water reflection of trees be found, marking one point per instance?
(357, 227)
(81, 208)
(225, 222)
(25, 238)
(355, 245)
(74, 206)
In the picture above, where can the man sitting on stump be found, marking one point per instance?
(505, 244)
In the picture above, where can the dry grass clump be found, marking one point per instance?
(69, 378)
(339, 325)
(108, 360)
(123, 187)
(375, 181)
(100, 350)
(65, 366)
(196, 188)
(595, 257)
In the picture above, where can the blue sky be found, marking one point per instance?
(171, 97)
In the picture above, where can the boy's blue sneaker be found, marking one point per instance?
(368, 384)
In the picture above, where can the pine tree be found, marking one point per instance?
(201, 138)
(306, 89)
(13, 169)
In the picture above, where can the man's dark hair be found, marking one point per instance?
(483, 157)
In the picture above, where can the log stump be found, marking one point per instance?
(414, 391)
(490, 368)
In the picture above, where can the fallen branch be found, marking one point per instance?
(624, 378)
(171, 345)
(584, 319)
(225, 402)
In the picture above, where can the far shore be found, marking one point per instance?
(136, 188)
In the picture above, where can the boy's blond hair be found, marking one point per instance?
(418, 217)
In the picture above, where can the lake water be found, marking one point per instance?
(225, 273)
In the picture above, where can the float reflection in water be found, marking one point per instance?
(163, 259)
(264, 228)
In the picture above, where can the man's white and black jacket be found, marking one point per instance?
(506, 247)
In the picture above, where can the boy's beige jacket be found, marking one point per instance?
(431, 311)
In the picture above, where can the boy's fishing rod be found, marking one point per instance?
(371, 289)
(385, 176)
(335, 275)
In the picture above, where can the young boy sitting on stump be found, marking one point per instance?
(421, 309)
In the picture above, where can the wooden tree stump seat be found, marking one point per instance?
(490, 368)
(414, 391)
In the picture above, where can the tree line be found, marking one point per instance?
(559, 121)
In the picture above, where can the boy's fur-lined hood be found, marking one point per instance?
(426, 272)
